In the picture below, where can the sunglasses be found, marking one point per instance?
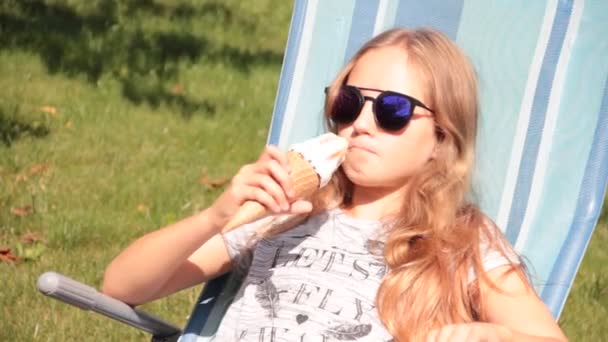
(392, 110)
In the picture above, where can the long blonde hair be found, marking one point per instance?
(432, 247)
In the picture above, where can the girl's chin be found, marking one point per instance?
(362, 162)
(372, 177)
(361, 177)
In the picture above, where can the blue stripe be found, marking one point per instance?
(502, 54)
(289, 64)
(364, 16)
(203, 308)
(588, 208)
(537, 119)
(439, 14)
(319, 59)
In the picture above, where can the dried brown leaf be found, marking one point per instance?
(32, 237)
(211, 183)
(176, 89)
(36, 169)
(21, 177)
(49, 110)
(7, 256)
(22, 211)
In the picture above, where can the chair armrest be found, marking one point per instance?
(70, 291)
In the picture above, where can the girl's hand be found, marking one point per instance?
(266, 181)
(469, 332)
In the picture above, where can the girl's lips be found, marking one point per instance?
(360, 146)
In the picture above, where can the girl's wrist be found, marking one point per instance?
(210, 218)
(504, 333)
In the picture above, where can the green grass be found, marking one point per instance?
(585, 315)
(148, 99)
(142, 99)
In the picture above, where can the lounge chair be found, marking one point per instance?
(543, 140)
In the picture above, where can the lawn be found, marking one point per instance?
(118, 117)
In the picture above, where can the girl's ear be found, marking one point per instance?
(435, 148)
(439, 136)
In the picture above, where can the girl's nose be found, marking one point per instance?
(365, 122)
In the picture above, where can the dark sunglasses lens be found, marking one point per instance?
(393, 111)
(346, 106)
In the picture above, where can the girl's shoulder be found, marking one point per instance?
(489, 232)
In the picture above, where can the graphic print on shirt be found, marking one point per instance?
(315, 282)
(311, 291)
(268, 297)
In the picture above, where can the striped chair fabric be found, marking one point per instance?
(542, 159)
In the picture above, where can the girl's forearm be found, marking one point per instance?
(513, 335)
(142, 269)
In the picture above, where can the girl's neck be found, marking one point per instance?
(374, 203)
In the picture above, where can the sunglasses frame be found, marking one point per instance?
(362, 99)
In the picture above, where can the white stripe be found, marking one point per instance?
(298, 75)
(550, 122)
(524, 116)
(381, 17)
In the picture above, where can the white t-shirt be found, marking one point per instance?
(315, 282)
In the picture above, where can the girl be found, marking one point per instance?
(391, 249)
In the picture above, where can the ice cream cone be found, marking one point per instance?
(312, 164)
(305, 182)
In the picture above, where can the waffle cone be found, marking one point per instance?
(304, 178)
(305, 182)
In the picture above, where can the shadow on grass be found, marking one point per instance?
(12, 128)
(109, 37)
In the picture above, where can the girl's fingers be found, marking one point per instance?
(448, 333)
(270, 186)
(281, 175)
(269, 174)
(301, 207)
(441, 334)
(465, 332)
(269, 164)
(261, 196)
(461, 334)
(432, 337)
(274, 153)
